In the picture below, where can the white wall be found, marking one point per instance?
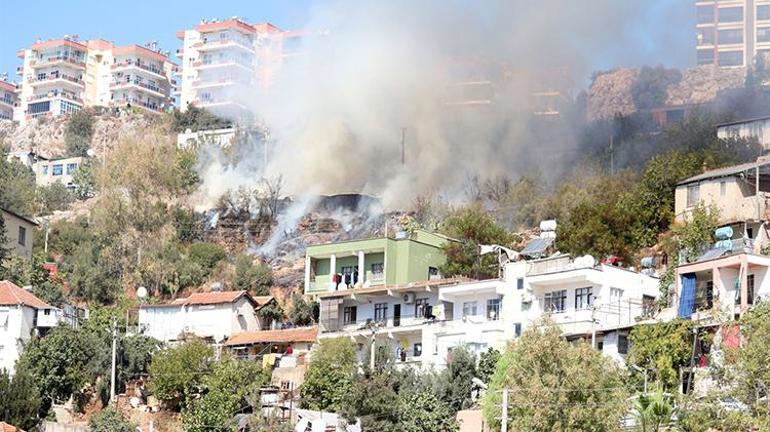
(16, 325)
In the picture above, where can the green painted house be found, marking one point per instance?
(371, 262)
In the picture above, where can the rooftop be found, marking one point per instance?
(215, 297)
(737, 122)
(299, 334)
(424, 285)
(12, 295)
(764, 169)
(2, 210)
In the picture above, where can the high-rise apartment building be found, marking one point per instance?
(64, 75)
(732, 33)
(226, 63)
(8, 99)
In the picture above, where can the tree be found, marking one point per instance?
(21, 398)
(5, 250)
(649, 90)
(330, 374)
(555, 385)
(84, 181)
(751, 369)
(177, 372)
(53, 197)
(661, 349)
(224, 393)
(196, 119)
(422, 411)
(78, 133)
(136, 353)
(110, 420)
(472, 226)
(487, 364)
(697, 232)
(374, 399)
(257, 279)
(303, 312)
(653, 411)
(271, 313)
(455, 383)
(206, 255)
(18, 191)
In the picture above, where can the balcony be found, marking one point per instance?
(224, 44)
(133, 102)
(128, 64)
(56, 78)
(201, 64)
(20, 70)
(54, 60)
(7, 101)
(139, 85)
(56, 94)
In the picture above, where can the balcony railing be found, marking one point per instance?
(223, 62)
(56, 94)
(57, 59)
(136, 102)
(8, 101)
(246, 44)
(137, 83)
(140, 65)
(56, 76)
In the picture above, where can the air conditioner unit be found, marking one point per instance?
(408, 298)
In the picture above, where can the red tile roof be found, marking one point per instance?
(299, 334)
(12, 295)
(215, 297)
(5, 427)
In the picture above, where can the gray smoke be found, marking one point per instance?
(371, 70)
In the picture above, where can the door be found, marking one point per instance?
(396, 315)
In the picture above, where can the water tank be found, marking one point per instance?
(648, 262)
(724, 233)
(725, 244)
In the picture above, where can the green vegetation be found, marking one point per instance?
(52, 198)
(661, 349)
(196, 119)
(534, 368)
(650, 87)
(179, 371)
(329, 376)
(255, 278)
(21, 398)
(18, 191)
(303, 312)
(109, 420)
(78, 133)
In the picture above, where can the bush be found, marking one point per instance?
(196, 119)
(330, 375)
(177, 372)
(78, 133)
(303, 313)
(109, 420)
(53, 197)
(257, 279)
(206, 255)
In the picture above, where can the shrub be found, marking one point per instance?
(78, 133)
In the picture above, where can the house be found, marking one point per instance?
(285, 350)
(214, 315)
(63, 170)
(599, 303)
(758, 128)
(741, 194)
(24, 157)
(22, 316)
(19, 233)
(374, 262)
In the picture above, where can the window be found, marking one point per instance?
(433, 273)
(520, 283)
(517, 329)
(493, 309)
(731, 58)
(706, 36)
(22, 236)
(693, 195)
(469, 308)
(730, 36)
(555, 301)
(730, 14)
(705, 14)
(648, 305)
(46, 311)
(583, 298)
(378, 271)
(420, 307)
(622, 344)
(722, 188)
(45, 170)
(380, 311)
(750, 286)
(616, 294)
(71, 168)
(763, 12)
(417, 351)
(763, 34)
(750, 233)
(705, 56)
(349, 314)
(39, 108)
(57, 170)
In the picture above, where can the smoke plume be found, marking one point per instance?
(473, 88)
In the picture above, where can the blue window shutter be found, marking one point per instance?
(687, 298)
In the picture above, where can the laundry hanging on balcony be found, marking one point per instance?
(687, 297)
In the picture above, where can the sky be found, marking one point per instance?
(669, 43)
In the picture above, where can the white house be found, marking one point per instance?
(758, 128)
(22, 315)
(213, 315)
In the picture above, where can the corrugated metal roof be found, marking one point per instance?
(537, 246)
(712, 254)
(764, 168)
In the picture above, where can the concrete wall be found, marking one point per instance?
(215, 321)
(13, 224)
(759, 129)
(16, 325)
(44, 171)
(735, 199)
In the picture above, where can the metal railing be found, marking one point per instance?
(56, 59)
(140, 65)
(55, 76)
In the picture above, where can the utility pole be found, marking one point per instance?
(504, 419)
(114, 357)
(372, 350)
(593, 326)
(612, 156)
(403, 142)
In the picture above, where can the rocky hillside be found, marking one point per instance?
(46, 135)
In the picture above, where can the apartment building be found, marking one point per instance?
(740, 193)
(60, 76)
(19, 232)
(226, 63)
(8, 99)
(214, 315)
(731, 33)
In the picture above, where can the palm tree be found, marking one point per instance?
(653, 411)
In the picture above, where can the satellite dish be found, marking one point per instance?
(90, 152)
(141, 292)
